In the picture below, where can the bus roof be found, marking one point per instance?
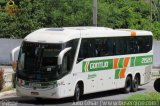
(61, 35)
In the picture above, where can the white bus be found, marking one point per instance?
(73, 61)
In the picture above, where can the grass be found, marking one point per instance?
(147, 96)
(147, 99)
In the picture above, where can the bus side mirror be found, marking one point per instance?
(61, 55)
(14, 62)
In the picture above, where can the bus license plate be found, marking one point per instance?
(35, 85)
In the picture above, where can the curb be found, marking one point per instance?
(5, 93)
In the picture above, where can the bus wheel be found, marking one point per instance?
(77, 93)
(157, 85)
(135, 84)
(128, 85)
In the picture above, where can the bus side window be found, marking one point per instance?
(148, 43)
(98, 47)
(119, 46)
(109, 47)
(139, 44)
(131, 45)
(71, 54)
(81, 51)
(143, 44)
(87, 49)
(102, 47)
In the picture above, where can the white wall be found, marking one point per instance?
(6, 45)
(156, 51)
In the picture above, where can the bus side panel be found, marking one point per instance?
(106, 80)
(89, 83)
(95, 81)
(78, 75)
(120, 82)
(146, 76)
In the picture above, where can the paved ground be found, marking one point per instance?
(108, 95)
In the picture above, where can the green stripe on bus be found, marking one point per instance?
(107, 64)
(83, 66)
(132, 61)
(120, 63)
(144, 60)
(117, 73)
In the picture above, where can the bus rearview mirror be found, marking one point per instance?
(13, 52)
(61, 55)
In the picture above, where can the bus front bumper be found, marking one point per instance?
(42, 93)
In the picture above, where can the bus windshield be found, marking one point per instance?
(38, 61)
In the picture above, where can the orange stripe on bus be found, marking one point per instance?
(126, 61)
(122, 73)
(133, 34)
(116, 63)
(87, 66)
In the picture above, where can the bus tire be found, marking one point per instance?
(135, 84)
(77, 93)
(157, 85)
(128, 85)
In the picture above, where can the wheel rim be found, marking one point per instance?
(77, 94)
(128, 84)
(135, 83)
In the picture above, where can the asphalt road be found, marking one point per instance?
(107, 95)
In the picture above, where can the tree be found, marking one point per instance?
(35, 14)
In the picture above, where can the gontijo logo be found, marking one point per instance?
(119, 64)
(97, 65)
